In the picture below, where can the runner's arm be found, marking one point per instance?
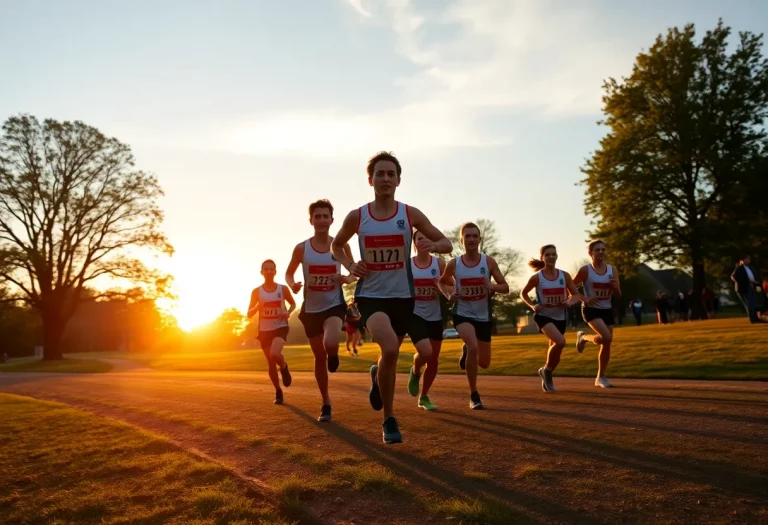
(348, 279)
(420, 222)
(501, 285)
(445, 290)
(448, 280)
(575, 294)
(253, 307)
(290, 271)
(532, 283)
(345, 233)
(615, 282)
(290, 300)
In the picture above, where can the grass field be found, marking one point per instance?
(62, 366)
(716, 349)
(64, 466)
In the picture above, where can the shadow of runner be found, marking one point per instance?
(449, 484)
(649, 426)
(717, 475)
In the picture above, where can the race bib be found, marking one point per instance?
(272, 310)
(425, 290)
(321, 277)
(603, 290)
(472, 289)
(384, 252)
(551, 296)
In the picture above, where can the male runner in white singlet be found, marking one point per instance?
(384, 293)
(601, 281)
(268, 301)
(471, 274)
(323, 310)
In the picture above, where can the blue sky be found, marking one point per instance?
(248, 111)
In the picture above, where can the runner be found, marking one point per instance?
(323, 310)
(353, 319)
(601, 281)
(426, 270)
(384, 292)
(268, 300)
(552, 289)
(470, 274)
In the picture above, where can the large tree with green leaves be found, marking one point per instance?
(672, 179)
(510, 261)
(74, 212)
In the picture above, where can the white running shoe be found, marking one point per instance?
(602, 382)
(580, 342)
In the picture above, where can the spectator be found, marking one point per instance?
(662, 306)
(745, 283)
(637, 311)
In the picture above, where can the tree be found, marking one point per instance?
(72, 210)
(510, 262)
(670, 181)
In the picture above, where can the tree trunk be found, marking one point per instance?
(697, 307)
(53, 329)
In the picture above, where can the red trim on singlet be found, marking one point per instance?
(370, 213)
(474, 265)
(415, 262)
(315, 249)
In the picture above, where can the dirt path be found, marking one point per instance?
(646, 451)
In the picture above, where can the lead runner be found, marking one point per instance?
(384, 292)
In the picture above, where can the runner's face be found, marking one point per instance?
(385, 178)
(321, 219)
(268, 270)
(470, 239)
(598, 253)
(549, 257)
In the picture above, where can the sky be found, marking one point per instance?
(247, 111)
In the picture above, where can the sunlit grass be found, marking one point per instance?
(61, 366)
(715, 349)
(74, 467)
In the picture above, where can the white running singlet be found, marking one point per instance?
(470, 285)
(597, 285)
(552, 292)
(385, 246)
(320, 291)
(271, 305)
(427, 295)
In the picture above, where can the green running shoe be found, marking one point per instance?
(413, 383)
(426, 404)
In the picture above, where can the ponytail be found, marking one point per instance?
(536, 264)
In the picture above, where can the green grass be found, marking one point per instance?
(715, 349)
(62, 465)
(62, 365)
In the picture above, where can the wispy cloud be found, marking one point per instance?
(357, 5)
(475, 59)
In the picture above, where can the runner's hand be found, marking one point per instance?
(425, 245)
(296, 287)
(358, 269)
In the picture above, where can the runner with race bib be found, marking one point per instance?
(601, 282)
(427, 319)
(384, 293)
(553, 288)
(323, 310)
(468, 280)
(268, 301)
